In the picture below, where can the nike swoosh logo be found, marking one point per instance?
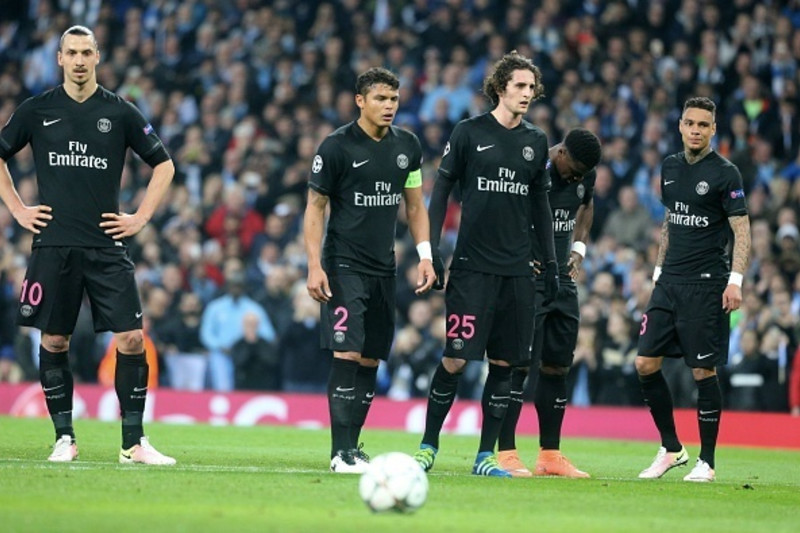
(561, 400)
(437, 393)
(46, 123)
(356, 165)
(48, 389)
(668, 182)
(705, 355)
(708, 412)
(369, 394)
(139, 314)
(482, 148)
(125, 454)
(343, 389)
(139, 389)
(500, 397)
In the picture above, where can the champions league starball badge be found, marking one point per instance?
(316, 166)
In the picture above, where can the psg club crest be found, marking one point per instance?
(402, 161)
(316, 166)
(104, 125)
(580, 190)
(527, 153)
(702, 188)
(338, 337)
(457, 344)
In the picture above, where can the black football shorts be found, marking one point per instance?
(556, 327)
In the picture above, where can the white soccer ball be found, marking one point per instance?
(393, 481)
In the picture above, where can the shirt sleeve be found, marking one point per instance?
(414, 178)
(454, 158)
(733, 198)
(588, 187)
(541, 181)
(16, 133)
(326, 169)
(142, 138)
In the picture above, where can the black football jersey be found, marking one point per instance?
(700, 198)
(565, 199)
(79, 151)
(497, 170)
(364, 180)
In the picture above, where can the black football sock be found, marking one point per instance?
(57, 385)
(709, 412)
(341, 399)
(657, 396)
(508, 431)
(494, 404)
(440, 399)
(551, 404)
(365, 391)
(130, 382)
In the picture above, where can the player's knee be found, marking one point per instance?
(130, 341)
(55, 343)
(647, 365)
(520, 370)
(454, 366)
(700, 374)
(369, 363)
(553, 370)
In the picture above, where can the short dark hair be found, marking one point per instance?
(496, 82)
(701, 102)
(374, 76)
(583, 146)
(77, 30)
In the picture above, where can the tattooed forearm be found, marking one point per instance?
(741, 244)
(664, 241)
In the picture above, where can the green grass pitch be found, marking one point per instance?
(276, 479)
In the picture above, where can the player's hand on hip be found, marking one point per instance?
(537, 267)
(731, 298)
(426, 276)
(34, 218)
(317, 285)
(574, 265)
(121, 225)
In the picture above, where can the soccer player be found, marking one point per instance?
(363, 170)
(572, 173)
(696, 286)
(79, 133)
(498, 159)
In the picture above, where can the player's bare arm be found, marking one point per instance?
(313, 228)
(420, 230)
(32, 218)
(732, 296)
(583, 224)
(663, 241)
(122, 225)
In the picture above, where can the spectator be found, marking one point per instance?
(256, 361)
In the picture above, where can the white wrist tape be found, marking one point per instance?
(735, 279)
(424, 250)
(656, 273)
(579, 248)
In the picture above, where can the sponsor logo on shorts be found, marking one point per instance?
(338, 337)
(705, 355)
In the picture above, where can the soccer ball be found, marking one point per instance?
(393, 481)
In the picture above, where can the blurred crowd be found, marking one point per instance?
(243, 91)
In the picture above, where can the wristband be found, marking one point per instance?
(735, 279)
(579, 248)
(424, 250)
(656, 273)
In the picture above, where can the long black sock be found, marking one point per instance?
(508, 431)
(440, 400)
(130, 382)
(365, 391)
(494, 404)
(57, 385)
(341, 399)
(709, 412)
(551, 403)
(657, 396)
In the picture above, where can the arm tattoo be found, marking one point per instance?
(664, 241)
(741, 243)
